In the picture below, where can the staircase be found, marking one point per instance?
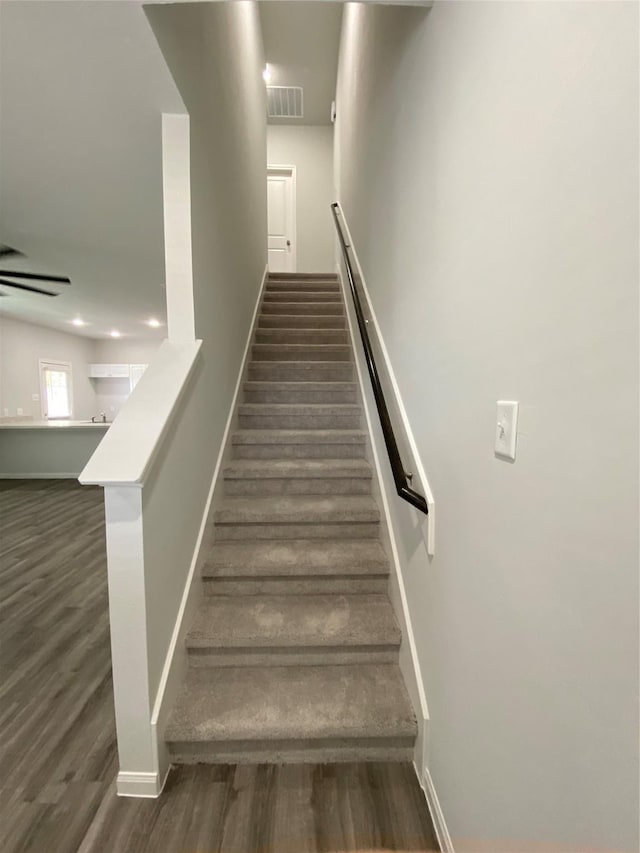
(293, 656)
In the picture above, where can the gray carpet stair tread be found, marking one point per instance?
(294, 702)
(296, 510)
(298, 436)
(294, 621)
(299, 408)
(263, 469)
(294, 557)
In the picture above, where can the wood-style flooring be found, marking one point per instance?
(58, 756)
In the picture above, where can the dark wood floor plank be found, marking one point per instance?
(58, 752)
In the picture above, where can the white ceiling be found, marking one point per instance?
(301, 43)
(82, 89)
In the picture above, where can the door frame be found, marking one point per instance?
(290, 171)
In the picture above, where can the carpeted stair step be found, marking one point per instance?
(292, 714)
(302, 321)
(262, 477)
(301, 371)
(290, 307)
(295, 566)
(302, 336)
(290, 630)
(298, 444)
(302, 276)
(301, 352)
(300, 392)
(316, 286)
(333, 296)
(335, 517)
(299, 415)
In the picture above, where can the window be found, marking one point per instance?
(55, 389)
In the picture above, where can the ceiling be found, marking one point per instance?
(301, 43)
(82, 89)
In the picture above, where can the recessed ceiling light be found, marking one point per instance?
(266, 74)
(155, 324)
(78, 322)
(114, 333)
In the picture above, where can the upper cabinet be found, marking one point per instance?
(109, 371)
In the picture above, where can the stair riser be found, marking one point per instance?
(298, 451)
(295, 372)
(204, 658)
(311, 585)
(297, 287)
(346, 530)
(306, 321)
(300, 352)
(302, 296)
(291, 308)
(292, 752)
(302, 276)
(299, 395)
(342, 585)
(285, 421)
(302, 336)
(312, 486)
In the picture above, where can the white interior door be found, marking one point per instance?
(281, 218)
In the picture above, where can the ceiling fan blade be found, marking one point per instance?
(7, 251)
(28, 287)
(31, 276)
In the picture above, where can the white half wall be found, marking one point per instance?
(310, 149)
(487, 159)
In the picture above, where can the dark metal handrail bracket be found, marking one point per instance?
(400, 477)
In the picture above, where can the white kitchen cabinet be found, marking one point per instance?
(109, 371)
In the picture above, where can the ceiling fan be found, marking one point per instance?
(9, 252)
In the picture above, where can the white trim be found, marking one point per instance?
(147, 785)
(294, 208)
(410, 668)
(176, 663)
(67, 367)
(437, 817)
(422, 477)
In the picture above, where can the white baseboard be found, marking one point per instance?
(176, 663)
(437, 817)
(50, 475)
(147, 785)
(408, 660)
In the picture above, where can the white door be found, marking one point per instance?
(281, 218)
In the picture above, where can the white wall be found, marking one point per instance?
(111, 394)
(310, 149)
(21, 347)
(488, 163)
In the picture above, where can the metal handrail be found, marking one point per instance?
(400, 476)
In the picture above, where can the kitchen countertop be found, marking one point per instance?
(55, 425)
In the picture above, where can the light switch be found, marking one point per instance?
(35, 398)
(506, 426)
(19, 412)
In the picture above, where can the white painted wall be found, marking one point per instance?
(488, 168)
(310, 149)
(21, 347)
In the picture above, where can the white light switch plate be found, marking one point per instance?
(35, 398)
(506, 426)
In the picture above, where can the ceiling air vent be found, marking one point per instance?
(284, 102)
